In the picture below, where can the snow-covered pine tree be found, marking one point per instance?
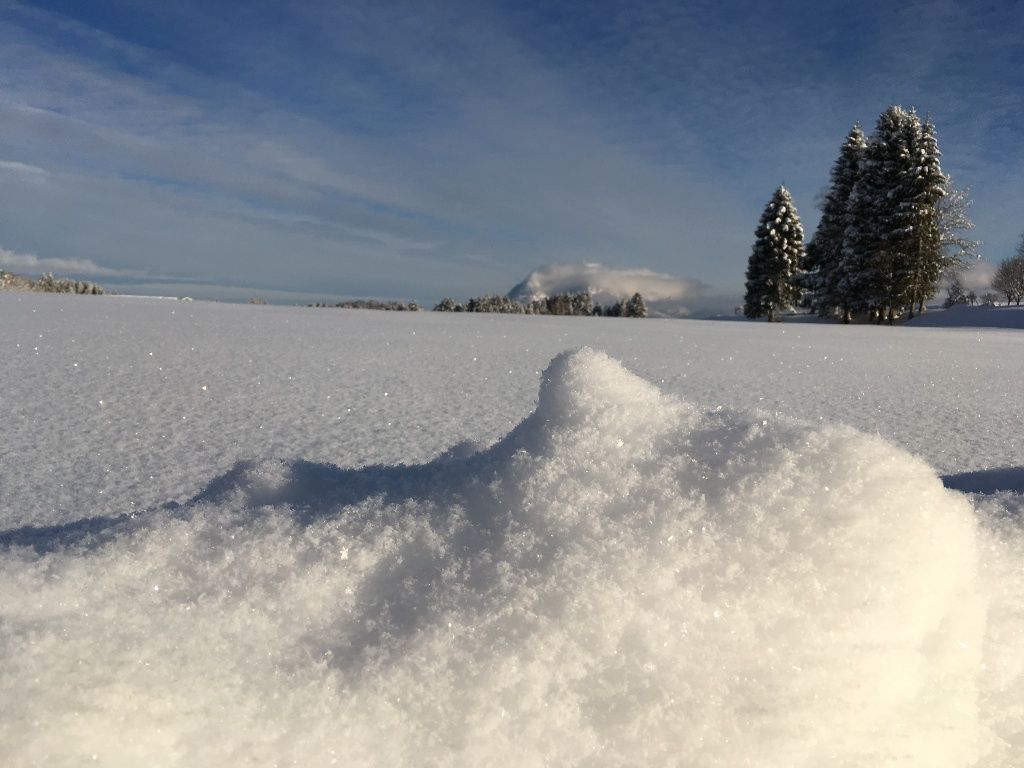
(445, 305)
(635, 307)
(879, 249)
(929, 186)
(824, 259)
(775, 261)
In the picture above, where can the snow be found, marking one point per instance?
(964, 316)
(291, 536)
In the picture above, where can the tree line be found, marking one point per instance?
(47, 283)
(892, 226)
(387, 306)
(580, 303)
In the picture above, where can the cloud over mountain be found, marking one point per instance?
(606, 283)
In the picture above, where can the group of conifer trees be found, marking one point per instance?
(580, 303)
(891, 226)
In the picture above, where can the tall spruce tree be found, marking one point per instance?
(929, 186)
(901, 233)
(824, 258)
(775, 262)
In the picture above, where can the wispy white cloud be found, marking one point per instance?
(26, 262)
(31, 172)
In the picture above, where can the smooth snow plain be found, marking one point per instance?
(283, 536)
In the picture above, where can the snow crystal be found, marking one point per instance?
(624, 578)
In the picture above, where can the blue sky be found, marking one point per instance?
(415, 150)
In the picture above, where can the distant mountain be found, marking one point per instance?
(666, 295)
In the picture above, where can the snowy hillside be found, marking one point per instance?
(267, 535)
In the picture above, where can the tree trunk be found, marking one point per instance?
(771, 314)
(846, 316)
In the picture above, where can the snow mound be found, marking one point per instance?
(623, 579)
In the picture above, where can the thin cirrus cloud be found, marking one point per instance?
(392, 149)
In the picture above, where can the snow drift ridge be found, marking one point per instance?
(623, 579)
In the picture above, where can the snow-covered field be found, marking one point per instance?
(688, 543)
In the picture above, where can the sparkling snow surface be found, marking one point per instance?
(582, 563)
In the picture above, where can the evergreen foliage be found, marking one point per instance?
(773, 271)
(892, 224)
(579, 304)
(635, 307)
(387, 306)
(495, 303)
(447, 305)
(823, 261)
(47, 283)
(878, 247)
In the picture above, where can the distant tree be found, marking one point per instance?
(445, 305)
(494, 303)
(559, 304)
(635, 307)
(823, 262)
(582, 303)
(388, 306)
(579, 303)
(774, 266)
(1009, 279)
(47, 283)
(955, 293)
